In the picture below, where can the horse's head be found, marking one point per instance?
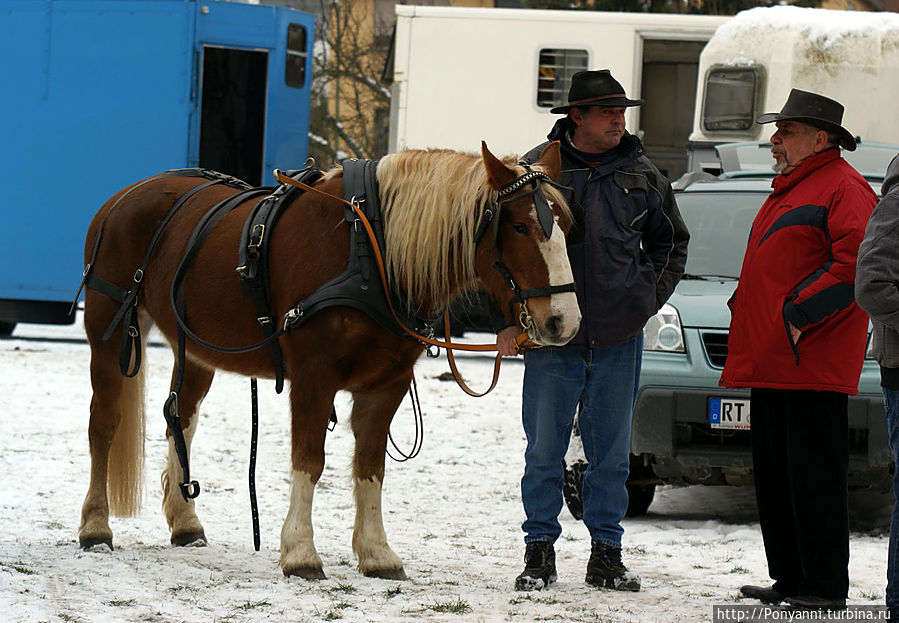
(521, 258)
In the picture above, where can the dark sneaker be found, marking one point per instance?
(765, 594)
(539, 567)
(605, 569)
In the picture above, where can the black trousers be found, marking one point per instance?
(800, 458)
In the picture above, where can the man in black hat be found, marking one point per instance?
(797, 339)
(627, 253)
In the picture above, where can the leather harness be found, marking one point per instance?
(357, 287)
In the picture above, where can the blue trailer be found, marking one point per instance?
(101, 93)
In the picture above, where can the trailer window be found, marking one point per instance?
(730, 99)
(554, 71)
(295, 74)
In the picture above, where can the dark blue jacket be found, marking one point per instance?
(629, 245)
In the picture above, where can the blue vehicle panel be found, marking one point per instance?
(111, 91)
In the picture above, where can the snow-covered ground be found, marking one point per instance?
(452, 514)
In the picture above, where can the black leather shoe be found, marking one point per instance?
(765, 594)
(812, 602)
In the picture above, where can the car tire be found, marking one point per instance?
(639, 497)
(572, 488)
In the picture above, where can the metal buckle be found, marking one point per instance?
(258, 230)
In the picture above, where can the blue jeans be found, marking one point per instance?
(600, 384)
(891, 406)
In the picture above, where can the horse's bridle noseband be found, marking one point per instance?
(544, 217)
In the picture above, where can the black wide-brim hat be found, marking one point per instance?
(815, 110)
(595, 88)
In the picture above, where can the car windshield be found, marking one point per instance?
(719, 224)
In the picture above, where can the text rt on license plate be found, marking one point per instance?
(729, 413)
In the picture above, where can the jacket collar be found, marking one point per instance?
(783, 183)
(628, 149)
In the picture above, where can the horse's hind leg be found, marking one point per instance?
(115, 431)
(180, 514)
(310, 409)
(372, 414)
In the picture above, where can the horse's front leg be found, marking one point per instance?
(181, 514)
(310, 409)
(372, 414)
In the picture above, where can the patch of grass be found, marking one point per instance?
(177, 588)
(343, 588)
(120, 602)
(637, 549)
(17, 566)
(332, 615)
(428, 537)
(698, 567)
(252, 605)
(871, 596)
(455, 607)
(393, 592)
(739, 569)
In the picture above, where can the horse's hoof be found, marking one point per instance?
(387, 574)
(189, 539)
(96, 544)
(307, 573)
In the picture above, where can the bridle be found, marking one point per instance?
(506, 194)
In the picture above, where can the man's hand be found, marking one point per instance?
(505, 341)
(795, 333)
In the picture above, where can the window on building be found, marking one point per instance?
(295, 72)
(556, 66)
(730, 99)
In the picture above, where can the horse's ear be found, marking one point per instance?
(498, 174)
(551, 160)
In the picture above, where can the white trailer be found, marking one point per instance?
(461, 75)
(749, 66)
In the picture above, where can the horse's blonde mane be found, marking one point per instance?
(431, 202)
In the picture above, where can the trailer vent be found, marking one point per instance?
(554, 75)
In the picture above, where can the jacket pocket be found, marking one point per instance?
(635, 189)
(794, 346)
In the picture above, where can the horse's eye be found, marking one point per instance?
(522, 229)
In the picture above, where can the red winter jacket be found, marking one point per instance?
(799, 268)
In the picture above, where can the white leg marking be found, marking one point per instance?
(369, 537)
(180, 514)
(297, 546)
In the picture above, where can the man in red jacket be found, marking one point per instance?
(797, 339)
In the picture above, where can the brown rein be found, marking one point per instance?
(521, 341)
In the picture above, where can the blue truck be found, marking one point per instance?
(98, 94)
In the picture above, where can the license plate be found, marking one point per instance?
(729, 413)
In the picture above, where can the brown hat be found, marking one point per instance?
(595, 88)
(815, 110)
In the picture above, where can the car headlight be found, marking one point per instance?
(663, 332)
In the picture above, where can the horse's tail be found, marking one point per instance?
(126, 455)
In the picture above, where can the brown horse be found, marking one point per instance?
(432, 203)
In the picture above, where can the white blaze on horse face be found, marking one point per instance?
(297, 546)
(563, 305)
